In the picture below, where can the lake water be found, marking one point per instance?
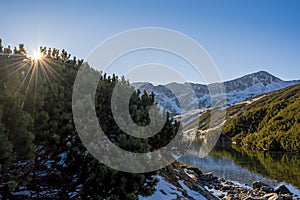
(246, 166)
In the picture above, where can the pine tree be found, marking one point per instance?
(22, 49)
(1, 47)
(6, 149)
(37, 127)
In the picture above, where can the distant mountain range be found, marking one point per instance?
(237, 90)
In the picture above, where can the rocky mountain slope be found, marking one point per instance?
(237, 90)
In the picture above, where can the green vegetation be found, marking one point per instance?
(269, 123)
(40, 150)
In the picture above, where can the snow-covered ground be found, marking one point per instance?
(167, 191)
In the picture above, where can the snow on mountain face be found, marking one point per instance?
(237, 90)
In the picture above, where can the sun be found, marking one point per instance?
(37, 55)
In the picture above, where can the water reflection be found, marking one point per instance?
(245, 166)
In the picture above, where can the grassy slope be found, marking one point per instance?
(270, 123)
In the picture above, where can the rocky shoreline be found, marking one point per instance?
(259, 191)
(212, 187)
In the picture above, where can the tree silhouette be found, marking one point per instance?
(1, 47)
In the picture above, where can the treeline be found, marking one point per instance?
(63, 56)
(41, 154)
(8, 51)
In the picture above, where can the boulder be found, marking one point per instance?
(207, 177)
(285, 197)
(221, 179)
(258, 184)
(225, 188)
(282, 190)
(267, 189)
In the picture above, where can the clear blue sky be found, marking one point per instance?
(241, 36)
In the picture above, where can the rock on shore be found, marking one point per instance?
(181, 181)
(227, 190)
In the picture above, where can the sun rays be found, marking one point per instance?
(37, 55)
(41, 72)
(36, 73)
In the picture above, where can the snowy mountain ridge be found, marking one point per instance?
(237, 90)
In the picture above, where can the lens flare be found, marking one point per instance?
(36, 55)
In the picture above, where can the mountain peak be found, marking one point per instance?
(260, 77)
(237, 90)
(262, 72)
(266, 75)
